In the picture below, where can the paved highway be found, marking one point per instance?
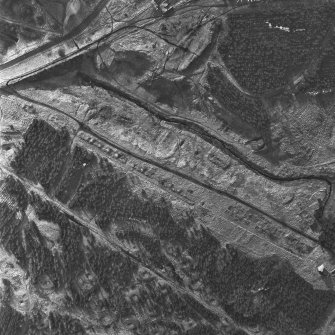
(47, 56)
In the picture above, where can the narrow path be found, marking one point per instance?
(30, 26)
(229, 76)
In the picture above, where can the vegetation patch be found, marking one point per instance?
(249, 109)
(43, 153)
(265, 46)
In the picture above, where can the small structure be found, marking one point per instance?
(322, 270)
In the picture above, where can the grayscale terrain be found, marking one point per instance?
(167, 167)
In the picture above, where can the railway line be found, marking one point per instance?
(83, 127)
(195, 181)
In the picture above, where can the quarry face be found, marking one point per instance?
(167, 167)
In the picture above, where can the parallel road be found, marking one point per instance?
(116, 245)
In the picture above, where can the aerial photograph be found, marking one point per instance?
(167, 167)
